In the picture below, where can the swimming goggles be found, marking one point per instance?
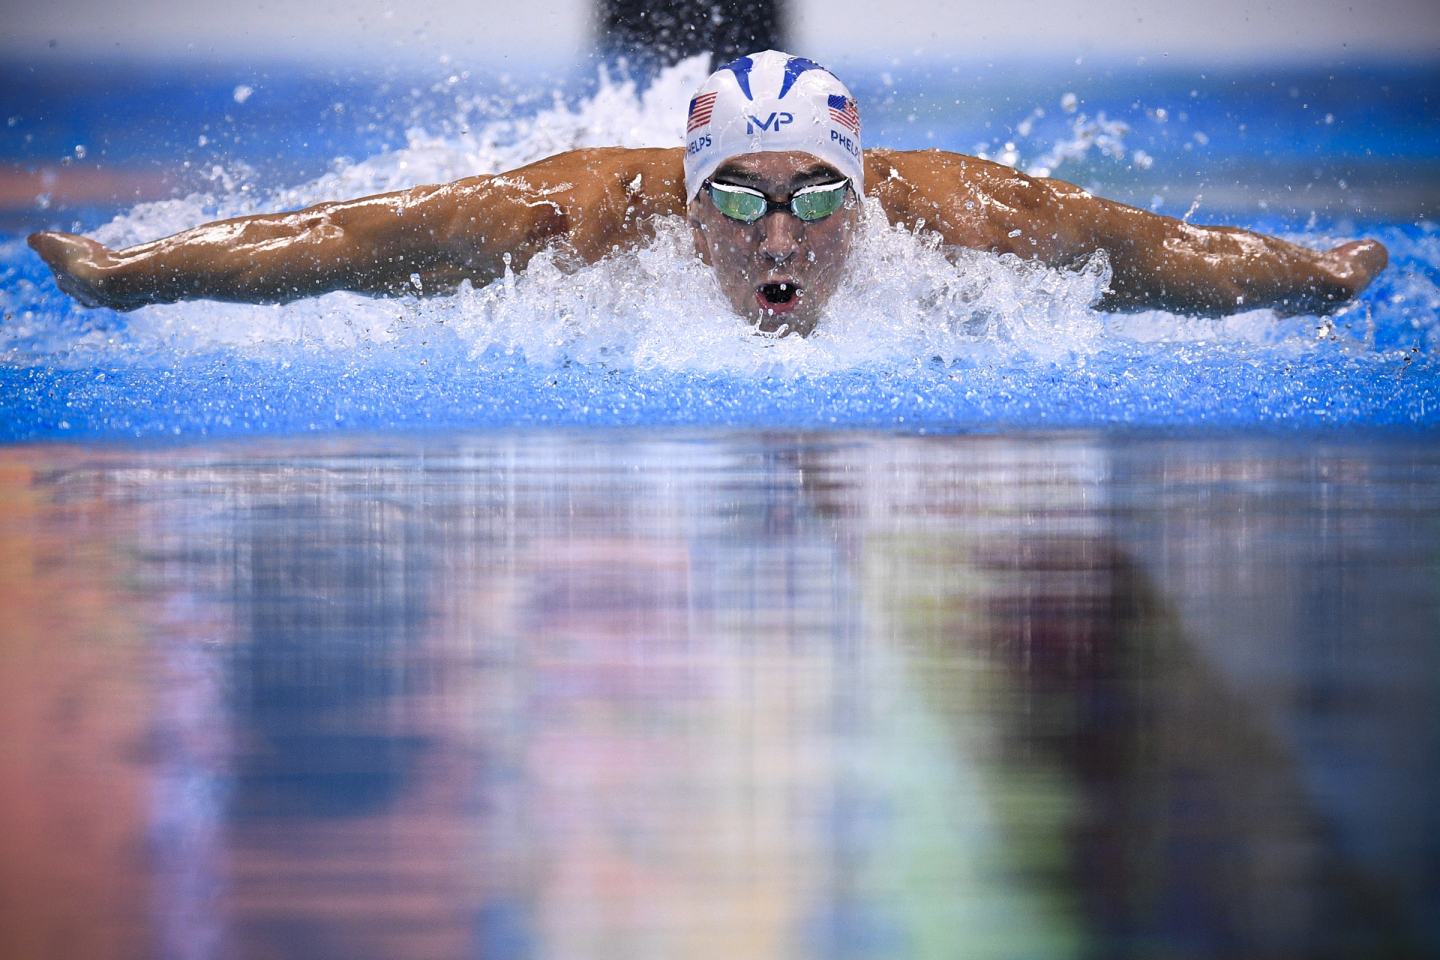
(747, 205)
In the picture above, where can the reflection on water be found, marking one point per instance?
(656, 696)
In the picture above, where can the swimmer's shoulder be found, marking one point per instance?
(920, 179)
(653, 176)
(601, 159)
(971, 202)
(921, 167)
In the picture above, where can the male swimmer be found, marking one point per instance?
(770, 180)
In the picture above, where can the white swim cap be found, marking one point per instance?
(772, 102)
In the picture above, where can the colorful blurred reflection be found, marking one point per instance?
(658, 695)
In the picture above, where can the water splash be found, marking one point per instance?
(905, 297)
(1101, 134)
(616, 115)
(1105, 136)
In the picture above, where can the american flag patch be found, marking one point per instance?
(843, 112)
(700, 109)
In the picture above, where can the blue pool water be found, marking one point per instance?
(553, 694)
(1319, 155)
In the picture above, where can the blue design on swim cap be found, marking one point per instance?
(741, 68)
(793, 68)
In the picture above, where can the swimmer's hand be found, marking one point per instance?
(85, 270)
(1343, 273)
(1218, 271)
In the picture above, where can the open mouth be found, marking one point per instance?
(780, 296)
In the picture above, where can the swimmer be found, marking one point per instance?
(771, 181)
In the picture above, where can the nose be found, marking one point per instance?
(782, 234)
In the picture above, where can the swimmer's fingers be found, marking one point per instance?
(79, 265)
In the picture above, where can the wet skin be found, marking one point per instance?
(589, 203)
(780, 271)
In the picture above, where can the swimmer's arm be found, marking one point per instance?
(1157, 262)
(372, 245)
(1160, 262)
(439, 235)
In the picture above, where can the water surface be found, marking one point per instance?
(549, 695)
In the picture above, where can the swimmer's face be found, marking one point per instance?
(780, 271)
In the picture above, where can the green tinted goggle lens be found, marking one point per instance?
(747, 206)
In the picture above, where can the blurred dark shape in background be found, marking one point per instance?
(334, 595)
(651, 34)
